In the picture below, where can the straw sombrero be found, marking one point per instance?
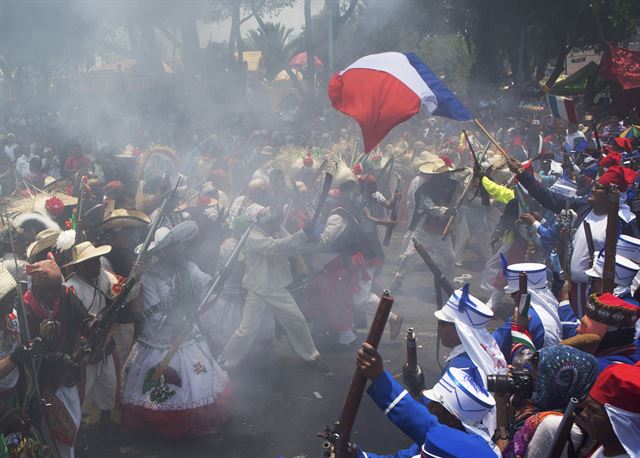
(7, 282)
(435, 166)
(44, 240)
(85, 251)
(121, 218)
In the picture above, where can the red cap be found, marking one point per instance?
(357, 168)
(611, 310)
(618, 385)
(623, 177)
(611, 159)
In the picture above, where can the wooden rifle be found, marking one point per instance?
(106, 318)
(438, 276)
(337, 442)
(394, 213)
(466, 189)
(80, 212)
(563, 432)
(609, 269)
(326, 187)
(412, 374)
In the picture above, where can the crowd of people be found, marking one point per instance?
(138, 279)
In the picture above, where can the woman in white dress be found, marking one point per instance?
(193, 396)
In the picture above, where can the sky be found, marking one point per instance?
(292, 17)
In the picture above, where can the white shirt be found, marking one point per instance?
(581, 256)
(94, 296)
(22, 165)
(267, 260)
(8, 150)
(542, 439)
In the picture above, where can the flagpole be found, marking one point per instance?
(493, 140)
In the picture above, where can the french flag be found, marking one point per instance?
(562, 108)
(382, 90)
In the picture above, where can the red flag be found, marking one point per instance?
(621, 65)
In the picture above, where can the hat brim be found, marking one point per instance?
(39, 245)
(91, 253)
(121, 222)
(592, 273)
(442, 316)
(430, 395)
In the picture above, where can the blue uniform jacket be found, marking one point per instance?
(411, 417)
(556, 202)
(606, 361)
(568, 319)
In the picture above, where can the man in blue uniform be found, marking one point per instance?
(437, 431)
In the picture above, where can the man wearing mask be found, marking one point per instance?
(429, 196)
(95, 285)
(611, 414)
(267, 251)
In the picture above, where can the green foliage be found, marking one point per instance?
(449, 58)
(40, 37)
(274, 42)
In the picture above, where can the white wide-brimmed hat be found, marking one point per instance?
(626, 269)
(466, 308)
(536, 276)
(164, 236)
(121, 218)
(86, 250)
(462, 393)
(437, 165)
(45, 239)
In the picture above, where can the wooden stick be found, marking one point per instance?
(359, 381)
(493, 140)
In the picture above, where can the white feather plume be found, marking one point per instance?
(66, 240)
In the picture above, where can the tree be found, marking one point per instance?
(273, 40)
(40, 38)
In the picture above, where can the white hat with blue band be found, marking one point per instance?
(462, 393)
(536, 276)
(466, 308)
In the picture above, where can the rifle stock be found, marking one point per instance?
(359, 381)
(435, 270)
(107, 316)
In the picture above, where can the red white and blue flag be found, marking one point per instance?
(562, 108)
(382, 90)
